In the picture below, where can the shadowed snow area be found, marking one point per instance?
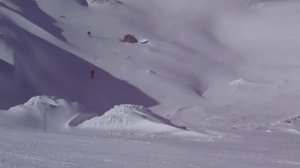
(41, 67)
(30, 10)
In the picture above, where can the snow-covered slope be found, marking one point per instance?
(206, 56)
(35, 150)
(227, 68)
(207, 61)
(164, 55)
(45, 64)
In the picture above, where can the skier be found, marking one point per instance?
(92, 74)
(89, 34)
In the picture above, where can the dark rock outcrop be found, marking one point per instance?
(128, 38)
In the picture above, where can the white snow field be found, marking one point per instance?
(34, 149)
(198, 83)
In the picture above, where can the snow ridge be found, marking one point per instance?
(128, 117)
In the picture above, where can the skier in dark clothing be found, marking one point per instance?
(89, 34)
(92, 74)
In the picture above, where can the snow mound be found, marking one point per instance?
(130, 117)
(97, 3)
(94, 3)
(242, 82)
(39, 101)
(57, 113)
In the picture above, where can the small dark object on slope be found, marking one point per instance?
(119, 2)
(92, 74)
(128, 38)
(89, 34)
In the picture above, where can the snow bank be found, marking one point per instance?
(40, 109)
(129, 117)
(96, 3)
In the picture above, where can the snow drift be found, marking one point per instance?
(50, 113)
(40, 112)
(130, 117)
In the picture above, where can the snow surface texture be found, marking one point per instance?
(98, 3)
(223, 68)
(95, 3)
(35, 150)
(130, 117)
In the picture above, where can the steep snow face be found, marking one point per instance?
(45, 64)
(40, 112)
(183, 60)
(6, 52)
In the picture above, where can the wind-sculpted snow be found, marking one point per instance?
(95, 3)
(98, 3)
(130, 117)
(40, 113)
(44, 113)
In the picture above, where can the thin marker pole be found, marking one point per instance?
(45, 119)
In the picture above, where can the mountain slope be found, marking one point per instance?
(44, 65)
(205, 62)
(208, 83)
